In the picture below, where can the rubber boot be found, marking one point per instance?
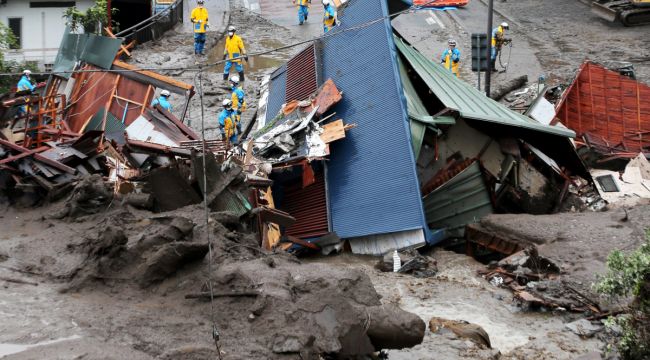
(241, 76)
(225, 77)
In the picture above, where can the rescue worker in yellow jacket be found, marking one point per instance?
(238, 100)
(330, 17)
(227, 122)
(498, 39)
(233, 52)
(451, 57)
(199, 18)
(303, 10)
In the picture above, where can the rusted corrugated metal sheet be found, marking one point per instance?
(301, 75)
(606, 105)
(309, 206)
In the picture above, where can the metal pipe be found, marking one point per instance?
(488, 73)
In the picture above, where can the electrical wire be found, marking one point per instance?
(200, 67)
(215, 330)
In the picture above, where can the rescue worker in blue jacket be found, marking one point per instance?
(498, 39)
(163, 100)
(303, 10)
(227, 122)
(451, 57)
(238, 100)
(329, 16)
(24, 84)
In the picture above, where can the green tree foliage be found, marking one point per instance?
(91, 20)
(628, 276)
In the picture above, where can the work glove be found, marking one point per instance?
(246, 58)
(225, 56)
(238, 112)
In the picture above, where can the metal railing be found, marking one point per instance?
(154, 27)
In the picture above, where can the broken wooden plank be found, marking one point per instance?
(302, 242)
(179, 124)
(39, 157)
(275, 216)
(333, 131)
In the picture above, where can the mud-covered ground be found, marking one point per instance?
(176, 50)
(565, 33)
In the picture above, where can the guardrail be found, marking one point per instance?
(154, 27)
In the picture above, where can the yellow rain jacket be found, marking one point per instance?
(234, 48)
(497, 36)
(199, 18)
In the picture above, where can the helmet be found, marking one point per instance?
(231, 29)
(326, 2)
(227, 103)
(451, 42)
(200, 2)
(165, 93)
(27, 72)
(505, 25)
(234, 79)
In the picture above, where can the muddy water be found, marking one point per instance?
(8, 349)
(254, 64)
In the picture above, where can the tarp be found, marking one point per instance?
(96, 50)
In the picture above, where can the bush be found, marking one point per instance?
(628, 276)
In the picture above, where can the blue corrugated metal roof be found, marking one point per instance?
(277, 89)
(372, 180)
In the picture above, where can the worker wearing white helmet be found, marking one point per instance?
(238, 100)
(163, 100)
(233, 52)
(24, 83)
(303, 10)
(199, 17)
(329, 16)
(451, 57)
(498, 39)
(227, 122)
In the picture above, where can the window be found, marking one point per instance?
(51, 4)
(16, 26)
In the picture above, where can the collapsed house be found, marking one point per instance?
(610, 112)
(428, 154)
(93, 117)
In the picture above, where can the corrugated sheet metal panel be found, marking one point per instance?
(301, 75)
(372, 180)
(384, 243)
(277, 91)
(604, 103)
(135, 91)
(232, 201)
(415, 108)
(91, 92)
(462, 97)
(462, 200)
(309, 206)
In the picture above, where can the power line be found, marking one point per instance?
(200, 67)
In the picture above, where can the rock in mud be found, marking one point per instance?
(584, 328)
(393, 328)
(462, 329)
(169, 258)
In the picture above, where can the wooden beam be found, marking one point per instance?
(153, 75)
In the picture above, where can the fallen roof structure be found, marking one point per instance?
(610, 111)
(372, 179)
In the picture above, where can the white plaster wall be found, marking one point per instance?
(42, 29)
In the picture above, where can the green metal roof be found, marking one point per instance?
(457, 95)
(419, 117)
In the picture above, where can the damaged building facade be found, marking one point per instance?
(428, 154)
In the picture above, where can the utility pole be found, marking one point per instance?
(488, 73)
